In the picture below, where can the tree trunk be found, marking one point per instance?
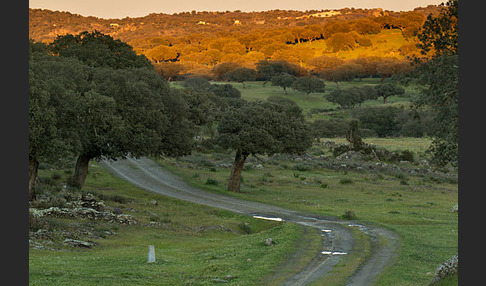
(235, 177)
(33, 167)
(80, 172)
(285, 90)
(384, 99)
(243, 84)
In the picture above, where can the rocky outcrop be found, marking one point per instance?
(449, 267)
(87, 207)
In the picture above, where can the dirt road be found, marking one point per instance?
(337, 237)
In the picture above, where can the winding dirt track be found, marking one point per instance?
(337, 238)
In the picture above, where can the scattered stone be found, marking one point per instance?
(126, 219)
(268, 241)
(224, 165)
(449, 267)
(78, 243)
(212, 227)
(455, 208)
(351, 155)
(154, 202)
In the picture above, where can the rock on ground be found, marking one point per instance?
(449, 267)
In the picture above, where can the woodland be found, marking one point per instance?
(242, 104)
(196, 43)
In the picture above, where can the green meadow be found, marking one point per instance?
(198, 245)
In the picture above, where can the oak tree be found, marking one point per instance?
(261, 128)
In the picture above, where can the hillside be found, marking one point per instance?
(207, 38)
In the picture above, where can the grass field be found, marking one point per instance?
(417, 207)
(255, 90)
(194, 244)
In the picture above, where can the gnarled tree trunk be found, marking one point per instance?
(33, 167)
(235, 177)
(80, 171)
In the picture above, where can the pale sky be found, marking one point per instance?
(138, 8)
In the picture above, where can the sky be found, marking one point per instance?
(118, 9)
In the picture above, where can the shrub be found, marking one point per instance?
(349, 215)
(245, 227)
(329, 128)
(210, 181)
(382, 120)
(346, 181)
(302, 167)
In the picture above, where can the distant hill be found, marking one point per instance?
(204, 39)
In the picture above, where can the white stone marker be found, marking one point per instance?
(151, 254)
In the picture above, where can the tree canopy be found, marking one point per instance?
(283, 80)
(262, 127)
(308, 85)
(99, 112)
(388, 89)
(439, 77)
(240, 75)
(96, 49)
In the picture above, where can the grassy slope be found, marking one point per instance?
(416, 207)
(184, 254)
(384, 44)
(255, 90)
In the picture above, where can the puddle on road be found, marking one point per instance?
(333, 253)
(268, 218)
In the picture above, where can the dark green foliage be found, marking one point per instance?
(283, 80)
(308, 85)
(440, 34)
(96, 49)
(264, 128)
(211, 181)
(261, 127)
(225, 90)
(346, 98)
(98, 111)
(245, 227)
(266, 69)
(329, 128)
(346, 181)
(380, 119)
(282, 101)
(388, 89)
(197, 83)
(349, 215)
(439, 77)
(240, 75)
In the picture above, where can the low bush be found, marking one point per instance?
(211, 181)
(346, 181)
(303, 167)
